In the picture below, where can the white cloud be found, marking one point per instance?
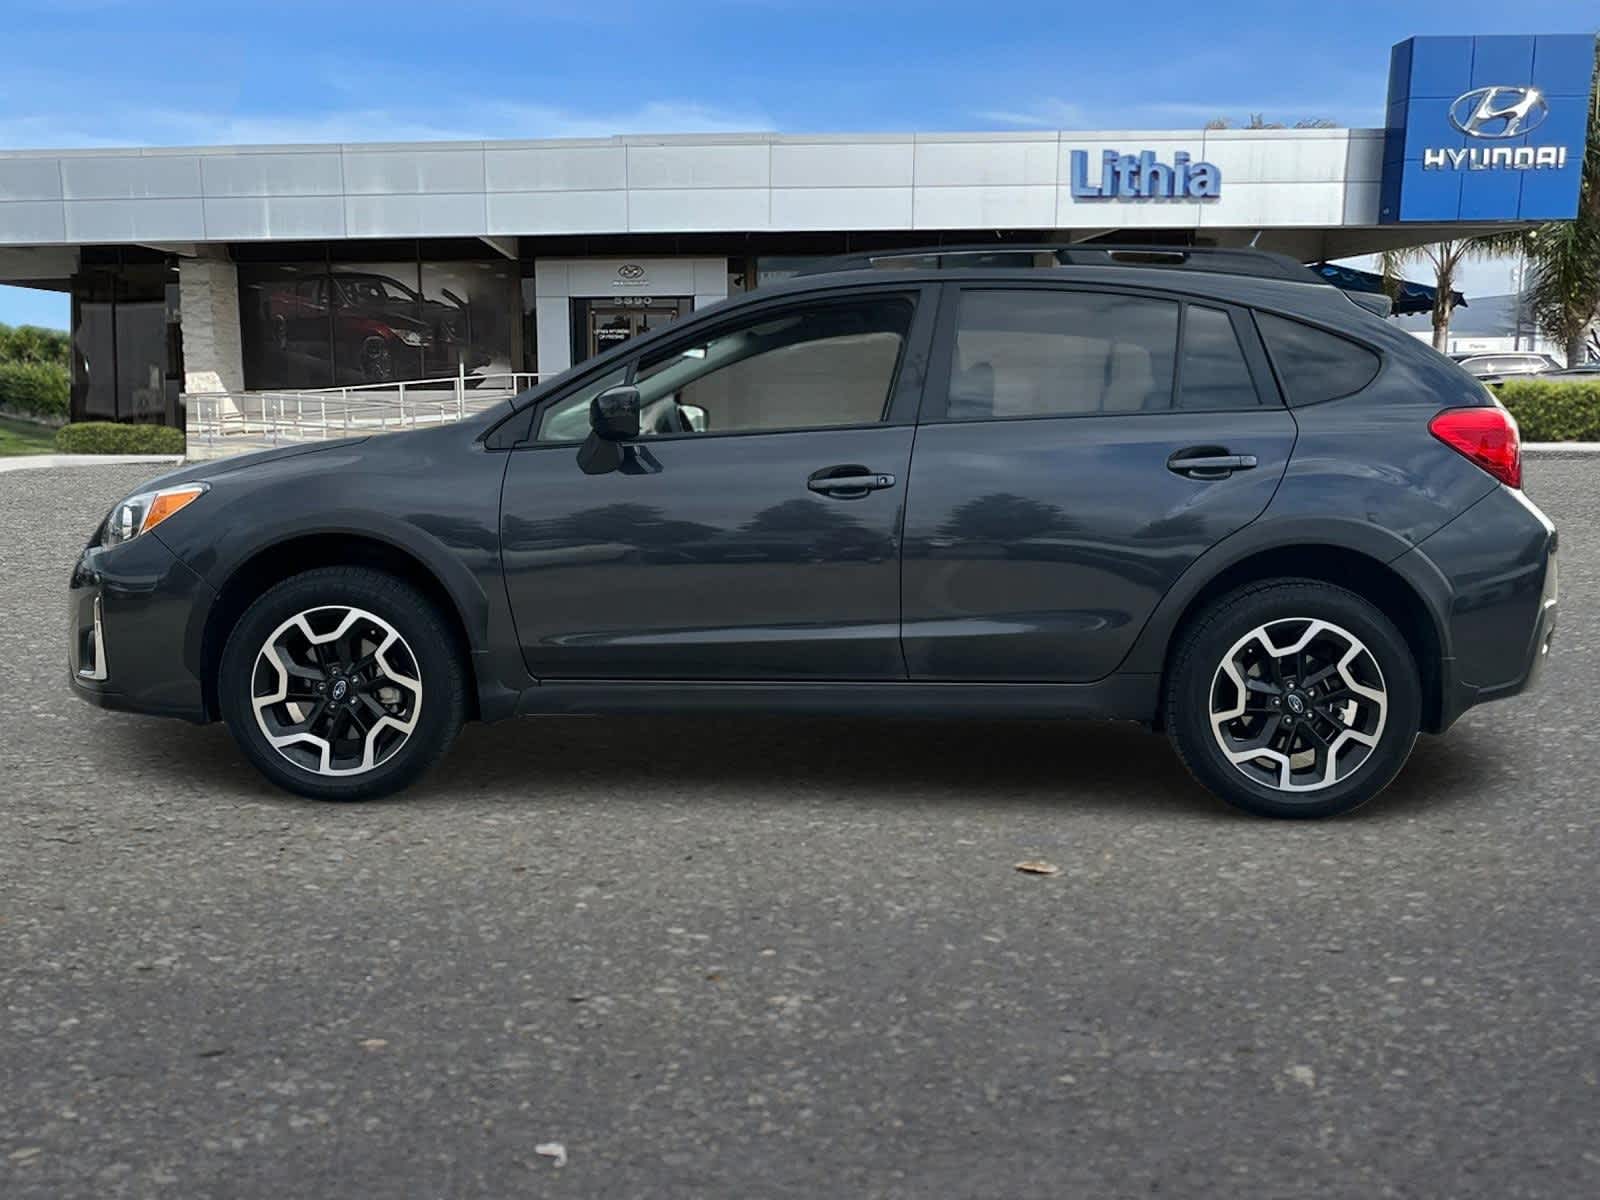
(467, 120)
(1048, 113)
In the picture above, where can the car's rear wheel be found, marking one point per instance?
(342, 683)
(1293, 698)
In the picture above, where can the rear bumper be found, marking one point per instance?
(134, 615)
(1498, 562)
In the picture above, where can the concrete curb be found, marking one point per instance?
(1561, 448)
(27, 462)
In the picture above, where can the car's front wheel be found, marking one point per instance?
(342, 683)
(1293, 698)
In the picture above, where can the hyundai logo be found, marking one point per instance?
(630, 271)
(1499, 112)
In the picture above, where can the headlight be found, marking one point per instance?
(410, 337)
(141, 513)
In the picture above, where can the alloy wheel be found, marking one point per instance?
(1298, 704)
(377, 363)
(336, 690)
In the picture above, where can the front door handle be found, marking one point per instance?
(846, 483)
(1209, 462)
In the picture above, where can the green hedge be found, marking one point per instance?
(38, 389)
(108, 437)
(1549, 410)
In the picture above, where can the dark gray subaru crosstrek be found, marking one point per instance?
(1205, 491)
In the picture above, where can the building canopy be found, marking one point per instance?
(1408, 295)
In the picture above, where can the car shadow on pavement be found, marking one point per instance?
(1069, 765)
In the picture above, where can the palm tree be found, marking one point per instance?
(1446, 259)
(1564, 270)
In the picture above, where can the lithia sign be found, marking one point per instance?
(1142, 176)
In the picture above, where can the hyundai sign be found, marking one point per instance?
(1486, 128)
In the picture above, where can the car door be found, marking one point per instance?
(752, 531)
(1079, 449)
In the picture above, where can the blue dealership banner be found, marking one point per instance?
(1486, 128)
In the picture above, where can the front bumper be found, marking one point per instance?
(135, 619)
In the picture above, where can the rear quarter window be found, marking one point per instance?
(1312, 364)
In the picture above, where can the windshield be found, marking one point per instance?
(374, 290)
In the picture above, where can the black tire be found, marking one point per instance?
(428, 639)
(1194, 678)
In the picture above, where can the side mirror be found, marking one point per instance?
(614, 414)
(695, 417)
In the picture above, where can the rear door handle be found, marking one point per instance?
(1209, 464)
(858, 482)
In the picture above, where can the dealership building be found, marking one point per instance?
(245, 269)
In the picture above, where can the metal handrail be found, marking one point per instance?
(236, 421)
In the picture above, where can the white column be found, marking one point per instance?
(552, 316)
(213, 355)
(710, 281)
(552, 325)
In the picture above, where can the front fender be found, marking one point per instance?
(433, 497)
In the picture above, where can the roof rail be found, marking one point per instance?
(1218, 259)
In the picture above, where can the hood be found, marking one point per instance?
(216, 468)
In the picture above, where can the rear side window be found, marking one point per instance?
(1213, 374)
(1047, 353)
(1312, 364)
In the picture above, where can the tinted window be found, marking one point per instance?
(317, 324)
(567, 420)
(829, 363)
(1314, 365)
(1214, 374)
(1042, 353)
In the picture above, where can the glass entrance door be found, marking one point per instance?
(598, 325)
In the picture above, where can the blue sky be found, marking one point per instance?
(108, 72)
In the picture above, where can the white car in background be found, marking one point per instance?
(1492, 366)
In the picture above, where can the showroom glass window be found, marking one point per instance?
(342, 323)
(1040, 352)
(828, 363)
(127, 356)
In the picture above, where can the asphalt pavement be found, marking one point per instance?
(773, 958)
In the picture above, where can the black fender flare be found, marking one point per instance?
(1386, 549)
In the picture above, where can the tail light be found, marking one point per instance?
(1488, 436)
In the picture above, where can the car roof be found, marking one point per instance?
(1309, 296)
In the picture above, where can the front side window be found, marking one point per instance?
(826, 364)
(1031, 353)
(567, 420)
